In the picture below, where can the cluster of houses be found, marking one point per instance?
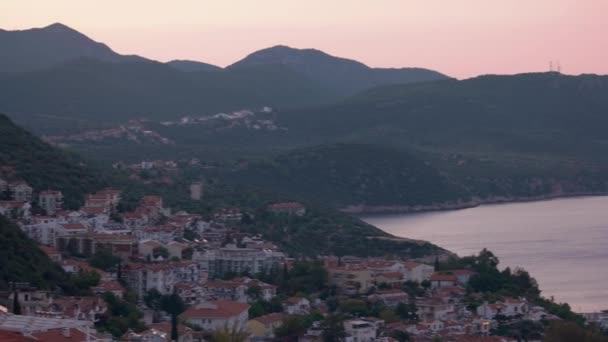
(183, 254)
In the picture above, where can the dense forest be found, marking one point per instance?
(45, 167)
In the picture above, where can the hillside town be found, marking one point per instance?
(228, 281)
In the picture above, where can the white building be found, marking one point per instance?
(238, 260)
(161, 276)
(51, 201)
(359, 331)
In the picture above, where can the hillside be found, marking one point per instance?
(353, 174)
(192, 66)
(39, 48)
(87, 92)
(22, 261)
(344, 76)
(45, 167)
(522, 135)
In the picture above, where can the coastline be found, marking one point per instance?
(370, 210)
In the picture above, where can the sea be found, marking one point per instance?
(563, 243)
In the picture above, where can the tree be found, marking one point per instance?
(292, 327)
(104, 260)
(187, 253)
(333, 329)
(563, 331)
(160, 251)
(229, 334)
(16, 304)
(174, 306)
(254, 292)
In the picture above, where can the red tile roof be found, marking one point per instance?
(287, 205)
(222, 309)
(56, 335)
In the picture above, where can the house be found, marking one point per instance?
(509, 307)
(51, 252)
(418, 272)
(15, 209)
(390, 297)
(225, 290)
(264, 326)
(47, 329)
(217, 315)
(296, 306)
(350, 278)
(146, 248)
(21, 191)
(176, 249)
(442, 280)
(51, 201)
(289, 208)
(159, 332)
(160, 276)
(232, 259)
(359, 331)
(108, 285)
(463, 276)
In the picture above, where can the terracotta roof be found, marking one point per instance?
(48, 250)
(221, 309)
(463, 272)
(271, 318)
(56, 335)
(9, 336)
(73, 226)
(165, 327)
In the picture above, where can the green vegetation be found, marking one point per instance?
(43, 166)
(23, 261)
(494, 284)
(351, 174)
(123, 315)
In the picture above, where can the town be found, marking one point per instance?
(176, 275)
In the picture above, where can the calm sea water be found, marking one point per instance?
(563, 243)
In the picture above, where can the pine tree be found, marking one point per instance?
(16, 304)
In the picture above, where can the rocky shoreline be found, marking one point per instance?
(409, 209)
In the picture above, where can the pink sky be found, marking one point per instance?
(461, 38)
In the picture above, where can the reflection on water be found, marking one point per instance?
(563, 243)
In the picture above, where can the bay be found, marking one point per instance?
(563, 243)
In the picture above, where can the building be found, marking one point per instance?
(351, 278)
(443, 280)
(160, 276)
(359, 331)
(48, 329)
(264, 326)
(232, 259)
(218, 315)
(15, 209)
(296, 306)
(196, 191)
(289, 208)
(51, 201)
(21, 191)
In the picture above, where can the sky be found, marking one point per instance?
(462, 38)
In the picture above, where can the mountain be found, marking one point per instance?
(528, 135)
(43, 166)
(344, 76)
(87, 92)
(345, 175)
(192, 66)
(39, 48)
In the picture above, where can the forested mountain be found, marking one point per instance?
(43, 166)
(39, 48)
(342, 175)
(344, 76)
(88, 90)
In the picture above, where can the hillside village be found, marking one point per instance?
(174, 272)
